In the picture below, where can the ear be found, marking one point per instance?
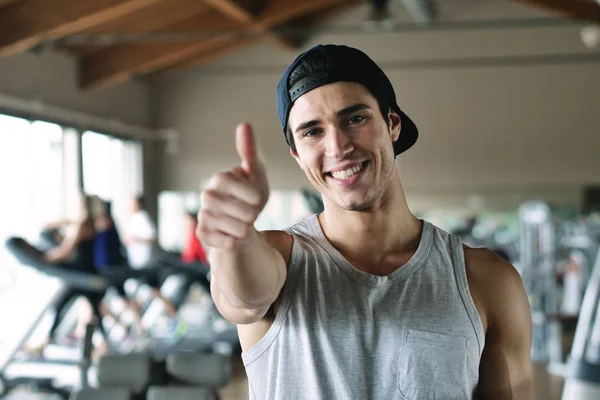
(395, 125)
(296, 157)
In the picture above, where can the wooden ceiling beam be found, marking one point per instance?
(119, 63)
(7, 2)
(116, 64)
(281, 11)
(160, 15)
(586, 10)
(211, 55)
(25, 23)
(311, 19)
(234, 10)
(242, 13)
(147, 58)
(165, 14)
(305, 20)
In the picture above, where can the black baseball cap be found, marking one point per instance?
(345, 64)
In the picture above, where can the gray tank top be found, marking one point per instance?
(341, 333)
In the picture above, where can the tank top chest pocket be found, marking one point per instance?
(432, 366)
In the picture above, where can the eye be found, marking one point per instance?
(356, 119)
(309, 133)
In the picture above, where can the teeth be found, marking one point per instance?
(349, 173)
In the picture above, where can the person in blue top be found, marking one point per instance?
(108, 248)
(109, 253)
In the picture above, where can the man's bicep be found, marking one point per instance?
(505, 368)
(505, 372)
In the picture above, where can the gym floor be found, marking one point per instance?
(547, 387)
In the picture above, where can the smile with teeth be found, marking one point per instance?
(348, 173)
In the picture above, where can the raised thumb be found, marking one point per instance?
(246, 148)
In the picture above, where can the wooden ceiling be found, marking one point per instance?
(586, 10)
(115, 40)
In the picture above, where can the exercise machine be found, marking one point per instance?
(583, 376)
(142, 376)
(206, 330)
(40, 373)
(538, 270)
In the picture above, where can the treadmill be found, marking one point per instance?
(41, 374)
(10, 377)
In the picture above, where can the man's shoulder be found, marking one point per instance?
(281, 241)
(488, 265)
(492, 279)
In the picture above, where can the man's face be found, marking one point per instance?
(343, 143)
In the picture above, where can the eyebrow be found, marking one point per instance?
(343, 112)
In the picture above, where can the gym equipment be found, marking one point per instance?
(583, 379)
(538, 270)
(181, 376)
(180, 393)
(36, 382)
(92, 285)
(75, 283)
(42, 387)
(101, 394)
(208, 370)
(119, 377)
(132, 371)
(186, 274)
(205, 329)
(193, 376)
(48, 239)
(30, 256)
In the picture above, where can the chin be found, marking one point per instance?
(355, 204)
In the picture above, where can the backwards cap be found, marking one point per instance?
(345, 64)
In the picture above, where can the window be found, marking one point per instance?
(40, 179)
(112, 170)
(37, 182)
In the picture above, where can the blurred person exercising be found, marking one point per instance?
(109, 254)
(75, 251)
(140, 241)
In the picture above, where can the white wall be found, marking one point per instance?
(52, 77)
(511, 131)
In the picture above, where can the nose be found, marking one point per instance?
(338, 144)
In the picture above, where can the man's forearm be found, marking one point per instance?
(251, 276)
(520, 391)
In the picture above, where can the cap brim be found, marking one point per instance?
(408, 133)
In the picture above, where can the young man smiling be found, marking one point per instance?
(363, 301)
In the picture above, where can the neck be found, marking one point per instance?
(386, 227)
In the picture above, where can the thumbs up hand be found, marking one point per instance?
(251, 166)
(233, 199)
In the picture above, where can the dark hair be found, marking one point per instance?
(88, 204)
(140, 200)
(107, 208)
(192, 214)
(315, 63)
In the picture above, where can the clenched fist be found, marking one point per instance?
(233, 199)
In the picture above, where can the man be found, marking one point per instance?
(140, 241)
(140, 235)
(363, 301)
